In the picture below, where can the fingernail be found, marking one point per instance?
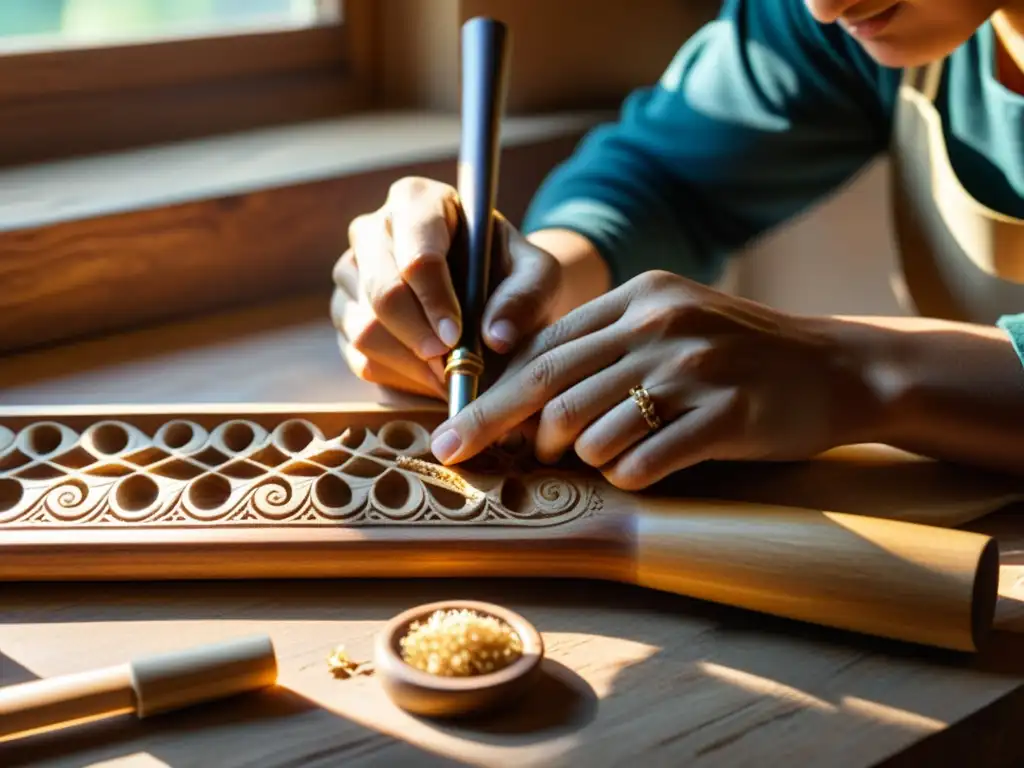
(446, 445)
(448, 330)
(504, 333)
(432, 347)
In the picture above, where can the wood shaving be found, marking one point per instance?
(341, 666)
(460, 643)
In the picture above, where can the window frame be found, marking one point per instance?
(84, 100)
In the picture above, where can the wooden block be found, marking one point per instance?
(353, 491)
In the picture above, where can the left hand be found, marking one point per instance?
(730, 380)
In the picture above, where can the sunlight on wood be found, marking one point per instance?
(763, 686)
(883, 713)
(910, 550)
(607, 657)
(136, 760)
(110, 643)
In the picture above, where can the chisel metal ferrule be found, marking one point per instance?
(463, 371)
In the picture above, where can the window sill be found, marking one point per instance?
(226, 166)
(115, 241)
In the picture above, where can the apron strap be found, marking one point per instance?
(925, 80)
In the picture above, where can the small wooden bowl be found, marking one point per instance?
(422, 693)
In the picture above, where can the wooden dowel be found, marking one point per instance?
(904, 581)
(145, 686)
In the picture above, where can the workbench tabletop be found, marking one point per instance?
(630, 676)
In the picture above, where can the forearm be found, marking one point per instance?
(950, 391)
(585, 274)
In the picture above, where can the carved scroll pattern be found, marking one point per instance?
(114, 474)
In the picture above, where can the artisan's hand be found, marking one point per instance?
(730, 379)
(394, 304)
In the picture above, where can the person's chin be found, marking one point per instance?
(896, 54)
(890, 54)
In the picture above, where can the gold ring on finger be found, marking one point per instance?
(642, 398)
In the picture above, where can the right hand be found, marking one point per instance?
(394, 304)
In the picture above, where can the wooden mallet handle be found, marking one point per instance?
(145, 686)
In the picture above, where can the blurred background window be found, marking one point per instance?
(47, 24)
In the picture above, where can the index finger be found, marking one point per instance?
(515, 398)
(423, 216)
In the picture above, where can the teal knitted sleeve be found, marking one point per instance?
(1014, 327)
(761, 114)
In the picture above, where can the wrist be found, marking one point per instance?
(947, 390)
(585, 274)
(869, 385)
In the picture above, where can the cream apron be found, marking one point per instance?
(960, 260)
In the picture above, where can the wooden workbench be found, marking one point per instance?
(631, 675)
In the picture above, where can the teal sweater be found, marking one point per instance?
(762, 113)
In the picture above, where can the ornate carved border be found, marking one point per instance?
(284, 470)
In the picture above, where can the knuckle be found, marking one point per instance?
(344, 266)
(420, 262)
(561, 415)
(386, 299)
(740, 409)
(357, 363)
(706, 363)
(474, 423)
(633, 474)
(652, 280)
(541, 373)
(406, 188)
(337, 307)
(660, 319)
(588, 453)
(522, 300)
(360, 227)
(363, 334)
(411, 188)
(656, 320)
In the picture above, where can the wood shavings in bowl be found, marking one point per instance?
(341, 666)
(460, 643)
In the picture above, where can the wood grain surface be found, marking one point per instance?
(631, 674)
(260, 492)
(104, 273)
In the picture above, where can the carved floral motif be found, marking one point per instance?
(114, 474)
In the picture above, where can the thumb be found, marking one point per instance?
(521, 303)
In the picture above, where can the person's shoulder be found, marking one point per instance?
(783, 35)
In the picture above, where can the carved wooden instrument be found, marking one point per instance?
(146, 686)
(274, 493)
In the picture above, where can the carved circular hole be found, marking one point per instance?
(137, 493)
(333, 492)
(353, 437)
(6, 438)
(177, 434)
(392, 490)
(110, 438)
(296, 436)
(238, 436)
(397, 436)
(44, 438)
(10, 494)
(209, 492)
(514, 495)
(447, 498)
